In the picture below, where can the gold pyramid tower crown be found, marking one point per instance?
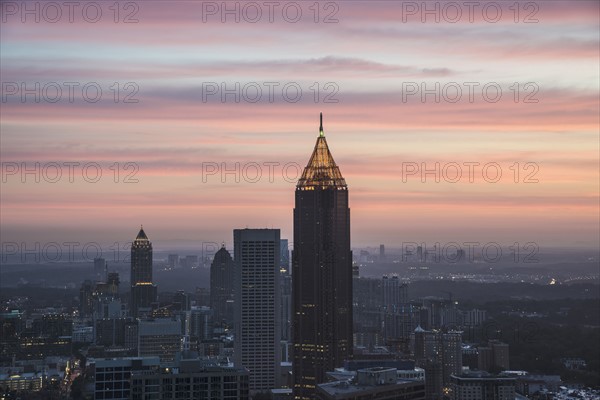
(321, 171)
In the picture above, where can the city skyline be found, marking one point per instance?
(171, 131)
(166, 234)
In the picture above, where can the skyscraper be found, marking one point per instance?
(143, 291)
(440, 354)
(257, 314)
(321, 272)
(99, 265)
(394, 293)
(159, 337)
(221, 286)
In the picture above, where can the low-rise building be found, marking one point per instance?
(480, 385)
(379, 382)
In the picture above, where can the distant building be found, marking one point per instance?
(440, 354)
(182, 301)
(451, 355)
(99, 265)
(191, 379)
(257, 299)
(189, 262)
(173, 261)
(500, 354)
(200, 327)
(373, 383)
(202, 296)
(528, 385)
(160, 338)
(27, 381)
(381, 252)
(493, 356)
(143, 291)
(395, 293)
(474, 317)
(470, 357)
(286, 305)
(86, 298)
(478, 385)
(355, 270)
(285, 256)
(574, 363)
(113, 376)
(222, 273)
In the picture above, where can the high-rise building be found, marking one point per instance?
(451, 354)
(143, 291)
(221, 286)
(493, 356)
(500, 354)
(286, 305)
(99, 265)
(474, 317)
(381, 252)
(395, 293)
(200, 324)
(285, 256)
(182, 301)
(321, 272)
(159, 337)
(257, 299)
(86, 298)
(440, 354)
(173, 261)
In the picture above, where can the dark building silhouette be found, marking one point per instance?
(222, 272)
(143, 291)
(86, 298)
(99, 265)
(257, 311)
(440, 354)
(321, 272)
(182, 301)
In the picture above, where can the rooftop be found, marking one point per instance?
(321, 171)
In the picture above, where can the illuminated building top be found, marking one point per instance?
(321, 171)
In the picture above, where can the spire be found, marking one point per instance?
(321, 171)
(321, 133)
(141, 234)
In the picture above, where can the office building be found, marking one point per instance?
(160, 337)
(321, 272)
(373, 383)
(190, 380)
(257, 299)
(221, 286)
(143, 291)
(113, 376)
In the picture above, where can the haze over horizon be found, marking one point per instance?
(173, 137)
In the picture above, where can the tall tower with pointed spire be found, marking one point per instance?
(143, 291)
(222, 272)
(321, 272)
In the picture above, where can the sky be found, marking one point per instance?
(449, 123)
